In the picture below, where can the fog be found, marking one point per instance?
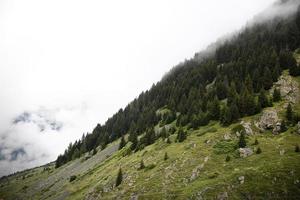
(67, 65)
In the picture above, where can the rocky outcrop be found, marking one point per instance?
(245, 152)
(247, 127)
(298, 127)
(268, 120)
(277, 128)
(289, 89)
(241, 179)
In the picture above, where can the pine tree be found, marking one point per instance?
(258, 151)
(262, 98)
(297, 148)
(142, 165)
(119, 178)
(226, 116)
(289, 113)
(227, 158)
(233, 109)
(214, 109)
(256, 142)
(181, 135)
(94, 151)
(133, 138)
(283, 127)
(122, 143)
(242, 141)
(267, 79)
(166, 157)
(276, 95)
(163, 133)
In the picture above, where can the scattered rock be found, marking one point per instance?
(134, 197)
(247, 127)
(206, 159)
(281, 152)
(227, 136)
(277, 128)
(268, 120)
(207, 141)
(245, 152)
(223, 196)
(289, 88)
(241, 179)
(196, 172)
(298, 127)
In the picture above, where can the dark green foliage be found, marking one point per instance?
(119, 178)
(276, 95)
(122, 143)
(227, 159)
(133, 138)
(168, 140)
(94, 151)
(163, 133)
(283, 127)
(214, 109)
(142, 165)
(72, 178)
(289, 113)
(181, 135)
(256, 142)
(297, 148)
(166, 157)
(258, 150)
(242, 140)
(263, 99)
(239, 69)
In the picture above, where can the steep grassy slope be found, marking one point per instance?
(195, 169)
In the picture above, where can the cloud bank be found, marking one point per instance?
(67, 65)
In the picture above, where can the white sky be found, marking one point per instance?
(83, 60)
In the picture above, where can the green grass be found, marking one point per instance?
(268, 175)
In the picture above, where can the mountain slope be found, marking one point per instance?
(199, 114)
(196, 168)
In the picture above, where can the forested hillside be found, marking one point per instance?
(225, 86)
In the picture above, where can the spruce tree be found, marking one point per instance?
(227, 158)
(181, 135)
(289, 113)
(94, 151)
(256, 142)
(166, 157)
(297, 148)
(163, 133)
(276, 95)
(242, 141)
(119, 178)
(267, 79)
(142, 165)
(133, 138)
(122, 143)
(258, 151)
(233, 109)
(262, 98)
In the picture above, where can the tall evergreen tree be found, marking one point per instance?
(181, 135)
(289, 113)
(276, 95)
(263, 99)
(119, 178)
(122, 143)
(242, 140)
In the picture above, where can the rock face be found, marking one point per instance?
(298, 128)
(289, 88)
(245, 152)
(247, 127)
(241, 179)
(223, 196)
(277, 128)
(269, 119)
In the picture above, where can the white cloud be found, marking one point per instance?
(99, 54)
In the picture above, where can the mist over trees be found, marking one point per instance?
(226, 85)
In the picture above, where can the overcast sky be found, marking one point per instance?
(66, 65)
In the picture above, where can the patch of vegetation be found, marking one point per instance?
(224, 147)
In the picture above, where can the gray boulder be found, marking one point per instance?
(247, 127)
(245, 152)
(268, 120)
